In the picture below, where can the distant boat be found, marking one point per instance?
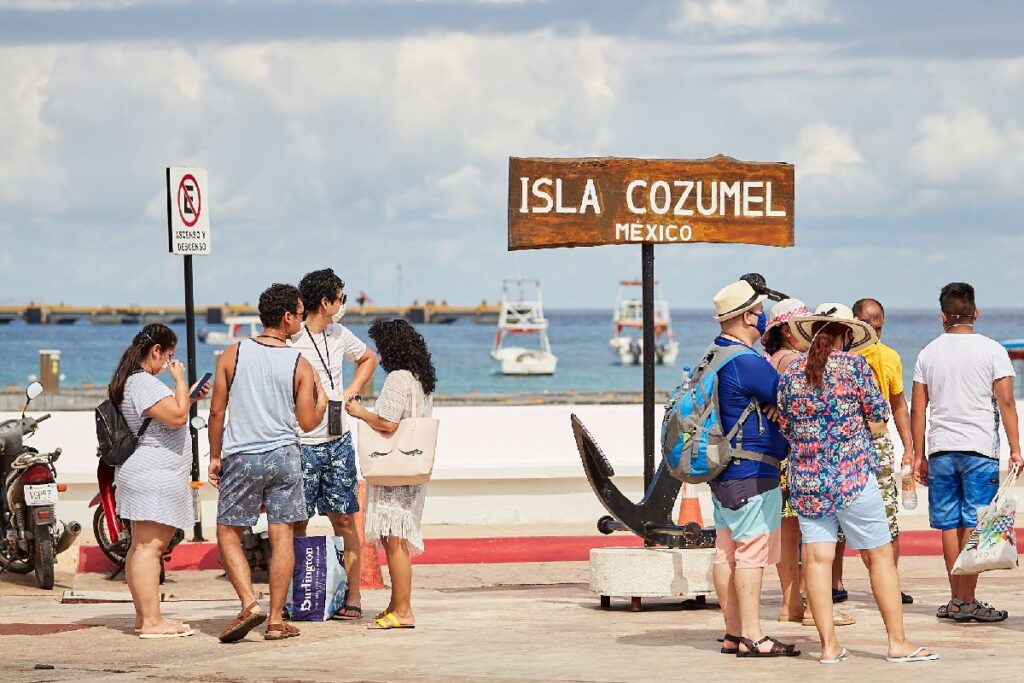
(521, 315)
(627, 327)
(239, 328)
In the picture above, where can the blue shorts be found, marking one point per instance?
(959, 484)
(864, 522)
(251, 481)
(329, 477)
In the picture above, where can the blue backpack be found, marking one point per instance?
(693, 443)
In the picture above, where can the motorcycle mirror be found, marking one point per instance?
(198, 423)
(33, 391)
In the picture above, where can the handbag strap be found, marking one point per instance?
(418, 397)
(1008, 483)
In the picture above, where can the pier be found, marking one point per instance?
(63, 314)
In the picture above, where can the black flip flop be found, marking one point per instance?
(348, 608)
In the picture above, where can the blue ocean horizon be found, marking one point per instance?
(579, 337)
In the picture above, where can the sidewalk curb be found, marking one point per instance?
(491, 550)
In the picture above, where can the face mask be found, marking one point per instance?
(339, 315)
(762, 323)
(847, 344)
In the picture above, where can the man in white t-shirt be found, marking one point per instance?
(328, 460)
(955, 377)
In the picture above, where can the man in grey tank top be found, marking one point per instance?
(255, 461)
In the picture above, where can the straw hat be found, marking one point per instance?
(863, 334)
(783, 312)
(739, 297)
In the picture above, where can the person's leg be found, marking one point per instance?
(340, 500)
(944, 496)
(400, 569)
(789, 570)
(149, 539)
(885, 585)
(722, 574)
(817, 572)
(747, 582)
(837, 566)
(345, 526)
(311, 484)
(282, 563)
(229, 543)
(980, 483)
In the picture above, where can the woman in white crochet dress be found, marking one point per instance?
(394, 513)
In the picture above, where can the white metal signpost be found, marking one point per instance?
(188, 234)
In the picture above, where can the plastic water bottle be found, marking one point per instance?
(909, 489)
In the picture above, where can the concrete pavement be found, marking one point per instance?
(512, 622)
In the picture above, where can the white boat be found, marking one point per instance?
(521, 315)
(239, 328)
(627, 327)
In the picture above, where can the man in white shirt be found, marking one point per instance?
(955, 377)
(328, 460)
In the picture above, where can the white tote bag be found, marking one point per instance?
(993, 543)
(403, 457)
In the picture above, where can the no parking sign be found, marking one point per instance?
(188, 214)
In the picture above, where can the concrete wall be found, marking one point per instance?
(495, 464)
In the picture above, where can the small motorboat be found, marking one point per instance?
(627, 327)
(521, 315)
(239, 328)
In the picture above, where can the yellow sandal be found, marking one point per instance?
(387, 622)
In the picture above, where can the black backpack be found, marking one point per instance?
(116, 439)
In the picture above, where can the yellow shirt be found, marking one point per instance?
(887, 368)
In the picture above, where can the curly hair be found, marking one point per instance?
(401, 347)
(318, 285)
(773, 340)
(825, 335)
(131, 359)
(275, 301)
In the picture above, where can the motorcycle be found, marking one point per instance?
(32, 536)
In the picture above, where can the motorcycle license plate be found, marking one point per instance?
(42, 494)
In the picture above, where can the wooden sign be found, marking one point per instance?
(595, 201)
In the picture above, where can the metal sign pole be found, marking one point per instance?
(190, 332)
(647, 270)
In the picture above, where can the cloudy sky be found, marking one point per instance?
(366, 134)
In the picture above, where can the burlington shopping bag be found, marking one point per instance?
(318, 587)
(993, 543)
(403, 457)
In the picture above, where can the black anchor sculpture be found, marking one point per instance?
(650, 519)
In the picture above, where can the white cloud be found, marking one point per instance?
(748, 16)
(831, 172)
(966, 147)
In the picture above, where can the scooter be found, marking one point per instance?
(113, 534)
(32, 536)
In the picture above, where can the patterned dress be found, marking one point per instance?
(398, 510)
(153, 484)
(831, 454)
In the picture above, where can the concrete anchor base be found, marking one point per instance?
(638, 573)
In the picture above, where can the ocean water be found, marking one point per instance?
(461, 350)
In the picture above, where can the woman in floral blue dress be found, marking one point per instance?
(828, 408)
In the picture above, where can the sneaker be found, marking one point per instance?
(840, 595)
(907, 599)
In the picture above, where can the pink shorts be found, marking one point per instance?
(756, 551)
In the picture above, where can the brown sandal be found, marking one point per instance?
(280, 632)
(246, 621)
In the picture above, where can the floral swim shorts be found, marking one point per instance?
(329, 477)
(252, 481)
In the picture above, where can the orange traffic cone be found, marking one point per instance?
(369, 568)
(689, 507)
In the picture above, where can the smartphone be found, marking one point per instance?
(199, 386)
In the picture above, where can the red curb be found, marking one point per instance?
(497, 550)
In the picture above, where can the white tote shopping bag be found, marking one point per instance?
(993, 543)
(403, 457)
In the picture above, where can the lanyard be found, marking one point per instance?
(327, 350)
